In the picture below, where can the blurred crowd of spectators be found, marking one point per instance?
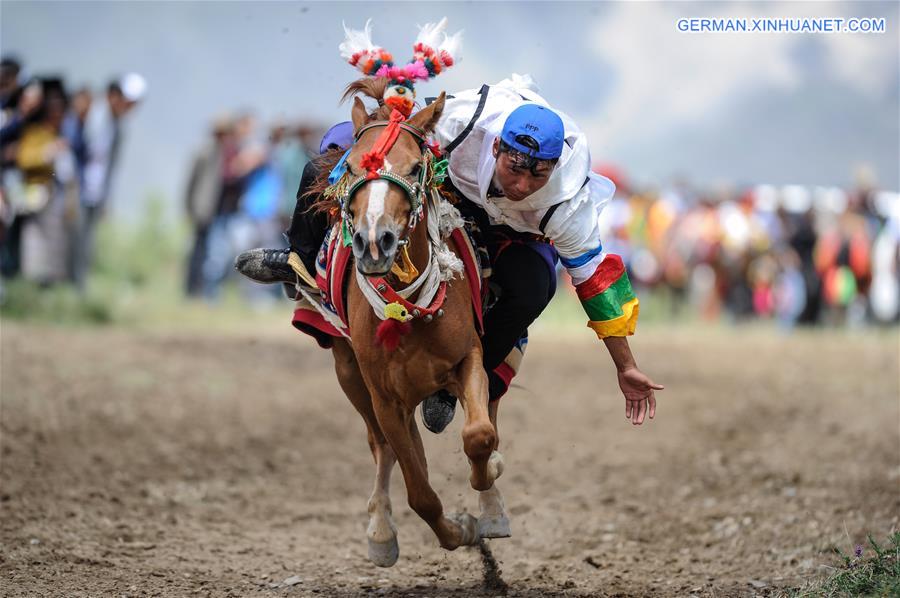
(794, 254)
(58, 150)
(240, 194)
(798, 255)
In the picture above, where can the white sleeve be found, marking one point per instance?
(99, 135)
(575, 229)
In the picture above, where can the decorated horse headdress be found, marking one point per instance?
(433, 52)
(394, 88)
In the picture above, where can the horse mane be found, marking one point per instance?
(373, 87)
(323, 165)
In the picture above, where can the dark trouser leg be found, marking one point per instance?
(527, 285)
(10, 249)
(84, 256)
(308, 226)
(194, 278)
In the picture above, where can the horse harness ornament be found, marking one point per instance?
(388, 303)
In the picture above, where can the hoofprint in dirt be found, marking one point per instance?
(190, 463)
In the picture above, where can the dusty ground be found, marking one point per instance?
(180, 464)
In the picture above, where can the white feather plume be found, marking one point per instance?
(431, 34)
(356, 41)
(452, 45)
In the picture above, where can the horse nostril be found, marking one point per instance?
(359, 244)
(388, 242)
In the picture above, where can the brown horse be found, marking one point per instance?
(443, 351)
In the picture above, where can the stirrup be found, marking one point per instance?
(299, 268)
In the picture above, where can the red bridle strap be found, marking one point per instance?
(416, 311)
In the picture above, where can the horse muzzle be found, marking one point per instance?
(375, 250)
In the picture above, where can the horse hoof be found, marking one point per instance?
(495, 465)
(384, 554)
(494, 527)
(468, 528)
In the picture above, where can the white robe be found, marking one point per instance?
(574, 227)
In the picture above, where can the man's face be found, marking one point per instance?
(9, 79)
(81, 103)
(516, 180)
(118, 104)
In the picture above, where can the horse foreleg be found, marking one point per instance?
(493, 407)
(400, 429)
(381, 533)
(493, 522)
(479, 435)
(486, 460)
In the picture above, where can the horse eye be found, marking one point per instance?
(416, 170)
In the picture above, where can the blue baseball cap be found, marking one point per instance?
(340, 135)
(541, 124)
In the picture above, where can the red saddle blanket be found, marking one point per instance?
(328, 319)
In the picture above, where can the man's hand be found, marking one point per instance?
(638, 390)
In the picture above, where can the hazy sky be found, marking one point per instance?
(715, 107)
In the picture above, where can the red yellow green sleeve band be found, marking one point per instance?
(608, 299)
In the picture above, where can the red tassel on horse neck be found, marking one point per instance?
(390, 332)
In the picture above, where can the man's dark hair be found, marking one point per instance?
(53, 88)
(114, 87)
(11, 64)
(522, 160)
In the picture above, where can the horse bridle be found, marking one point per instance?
(432, 172)
(415, 189)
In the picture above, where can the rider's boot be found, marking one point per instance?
(269, 266)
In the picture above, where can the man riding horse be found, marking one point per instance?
(521, 173)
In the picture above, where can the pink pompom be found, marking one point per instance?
(416, 70)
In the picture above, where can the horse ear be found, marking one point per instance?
(427, 118)
(359, 115)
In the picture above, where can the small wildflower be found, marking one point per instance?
(858, 552)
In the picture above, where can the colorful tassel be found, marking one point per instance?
(433, 52)
(401, 104)
(373, 160)
(390, 332)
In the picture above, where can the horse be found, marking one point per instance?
(386, 214)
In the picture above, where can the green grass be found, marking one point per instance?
(871, 570)
(60, 304)
(132, 261)
(136, 281)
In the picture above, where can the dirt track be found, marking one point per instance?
(179, 465)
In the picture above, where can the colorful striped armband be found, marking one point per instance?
(608, 299)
